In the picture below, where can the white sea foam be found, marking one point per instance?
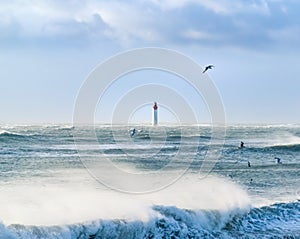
(65, 203)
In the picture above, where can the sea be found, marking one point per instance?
(169, 181)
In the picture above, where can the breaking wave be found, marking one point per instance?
(275, 221)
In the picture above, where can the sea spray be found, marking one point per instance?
(69, 203)
(274, 221)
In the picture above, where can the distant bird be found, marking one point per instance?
(209, 67)
(278, 160)
(132, 132)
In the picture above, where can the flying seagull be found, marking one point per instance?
(209, 67)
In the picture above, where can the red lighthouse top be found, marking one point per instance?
(155, 106)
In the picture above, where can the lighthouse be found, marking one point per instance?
(155, 113)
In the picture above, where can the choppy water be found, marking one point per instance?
(47, 192)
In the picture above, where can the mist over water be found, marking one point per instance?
(65, 204)
(44, 183)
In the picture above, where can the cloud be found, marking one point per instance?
(128, 23)
(197, 35)
(48, 20)
(247, 24)
(226, 7)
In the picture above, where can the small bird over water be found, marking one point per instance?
(209, 67)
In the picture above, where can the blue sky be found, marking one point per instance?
(48, 48)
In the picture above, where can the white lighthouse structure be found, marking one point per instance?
(155, 113)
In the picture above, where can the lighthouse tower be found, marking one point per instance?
(155, 113)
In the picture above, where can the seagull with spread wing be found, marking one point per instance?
(209, 67)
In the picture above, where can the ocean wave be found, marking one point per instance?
(5, 133)
(279, 220)
(266, 148)
(35, 135)
(291, 147)
(20, 135)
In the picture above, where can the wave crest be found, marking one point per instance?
(275, 221)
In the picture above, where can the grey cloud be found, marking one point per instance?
(263, 24)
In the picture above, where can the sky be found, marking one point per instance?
(49, 48)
